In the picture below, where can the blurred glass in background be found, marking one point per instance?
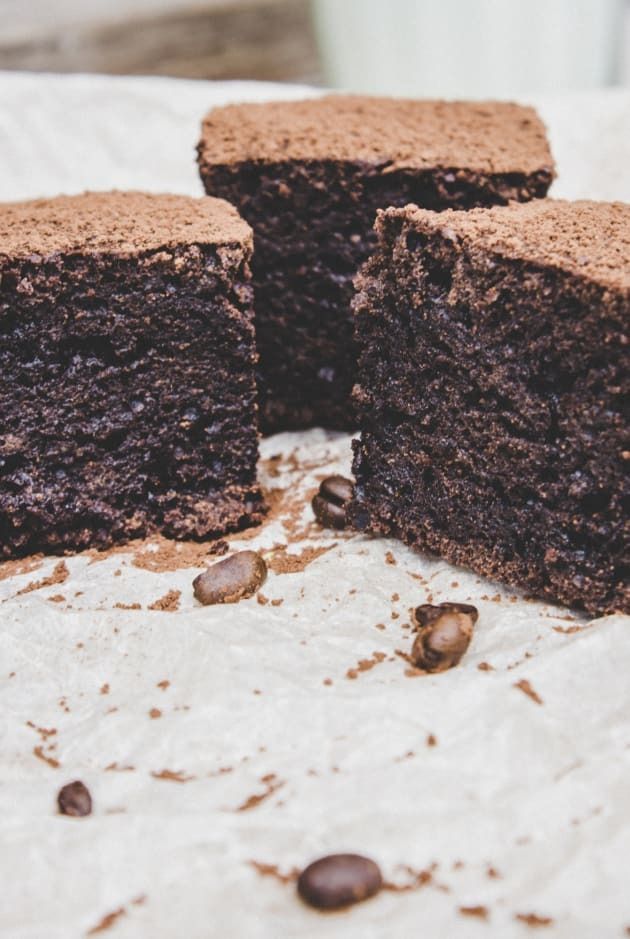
(476, 48)
(444, 48)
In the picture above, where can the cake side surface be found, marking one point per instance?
(491, 395)
(128, 394)
(313, 207)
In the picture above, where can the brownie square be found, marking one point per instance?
(493, 393)
(309, 177)
(127, 358)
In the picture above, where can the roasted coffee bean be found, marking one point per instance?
(233, 579)
(339, 880)
(75, 799)
(427, 613)
(329, 505)
(444, 636)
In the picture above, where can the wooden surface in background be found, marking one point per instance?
(260, 39)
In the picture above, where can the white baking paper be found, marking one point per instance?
(222, 744)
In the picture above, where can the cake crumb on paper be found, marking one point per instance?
(169, 603)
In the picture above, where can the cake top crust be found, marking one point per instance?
(491, 137)
(590, 239)
(122, 223)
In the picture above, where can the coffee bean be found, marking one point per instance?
(426, 614)
(444, 636)
(339, 880)
(75, 799)
(329, 505)
(233, 579)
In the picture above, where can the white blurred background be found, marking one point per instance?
(452, 48)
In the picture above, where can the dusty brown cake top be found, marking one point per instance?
(123, 223)
(587, 238)
(485, 136)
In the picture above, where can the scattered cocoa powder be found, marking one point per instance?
(107, 921)
(570, 630)
(21, 566)
(272, 870)
(271, 784)
(533, 920)
(416, 879)
(128, 606)
(280, 561)
(44, 732)
(39, 753)
(60, 574)
(364, 665)
(172, 775)
(481, 912)
(161, 555)
(527, 689)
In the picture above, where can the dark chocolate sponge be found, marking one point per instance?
(493, 392)
(126, 371)
(309, 177)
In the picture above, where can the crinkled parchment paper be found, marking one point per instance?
(226, 746)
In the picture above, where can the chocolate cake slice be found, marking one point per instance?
(127, 356)
(493, 393)
(309, 177)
